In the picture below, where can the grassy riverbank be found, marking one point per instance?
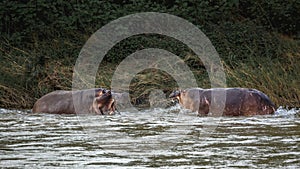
(257, 51)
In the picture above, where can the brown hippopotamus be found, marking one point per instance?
(62, 102)
(104, 102)
(239, 101)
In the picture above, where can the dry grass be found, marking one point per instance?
(280, 81)
(277, 77)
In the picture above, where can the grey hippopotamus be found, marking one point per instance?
(86, 101)
(239, 101)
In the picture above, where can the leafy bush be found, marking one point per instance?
(41, 39)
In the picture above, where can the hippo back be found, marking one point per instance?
(238, 101)
(55, 102)
(65, 102)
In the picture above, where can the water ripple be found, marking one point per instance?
(156, 138)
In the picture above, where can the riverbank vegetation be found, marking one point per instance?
(258, 42)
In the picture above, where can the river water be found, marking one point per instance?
(156, 138)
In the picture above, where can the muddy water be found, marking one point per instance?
(158, 138)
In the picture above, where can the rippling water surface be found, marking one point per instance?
(158, 138)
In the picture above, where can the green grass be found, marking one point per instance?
(258, 43)
(278, 80)
(31, 72)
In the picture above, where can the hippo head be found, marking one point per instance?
(104, 98)
(99, 92)
(106, 94)
(175, 95)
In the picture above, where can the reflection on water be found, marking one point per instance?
(149, 139)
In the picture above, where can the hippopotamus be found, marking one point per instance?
(239, 101)
(104, 102)
(62, 102)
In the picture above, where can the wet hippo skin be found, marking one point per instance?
(239, 101)
(104, 103)
(62, 102)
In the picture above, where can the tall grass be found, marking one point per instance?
(280, 82)
(40, 42)
(21, 85)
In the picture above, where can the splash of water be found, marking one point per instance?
(285, 112)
